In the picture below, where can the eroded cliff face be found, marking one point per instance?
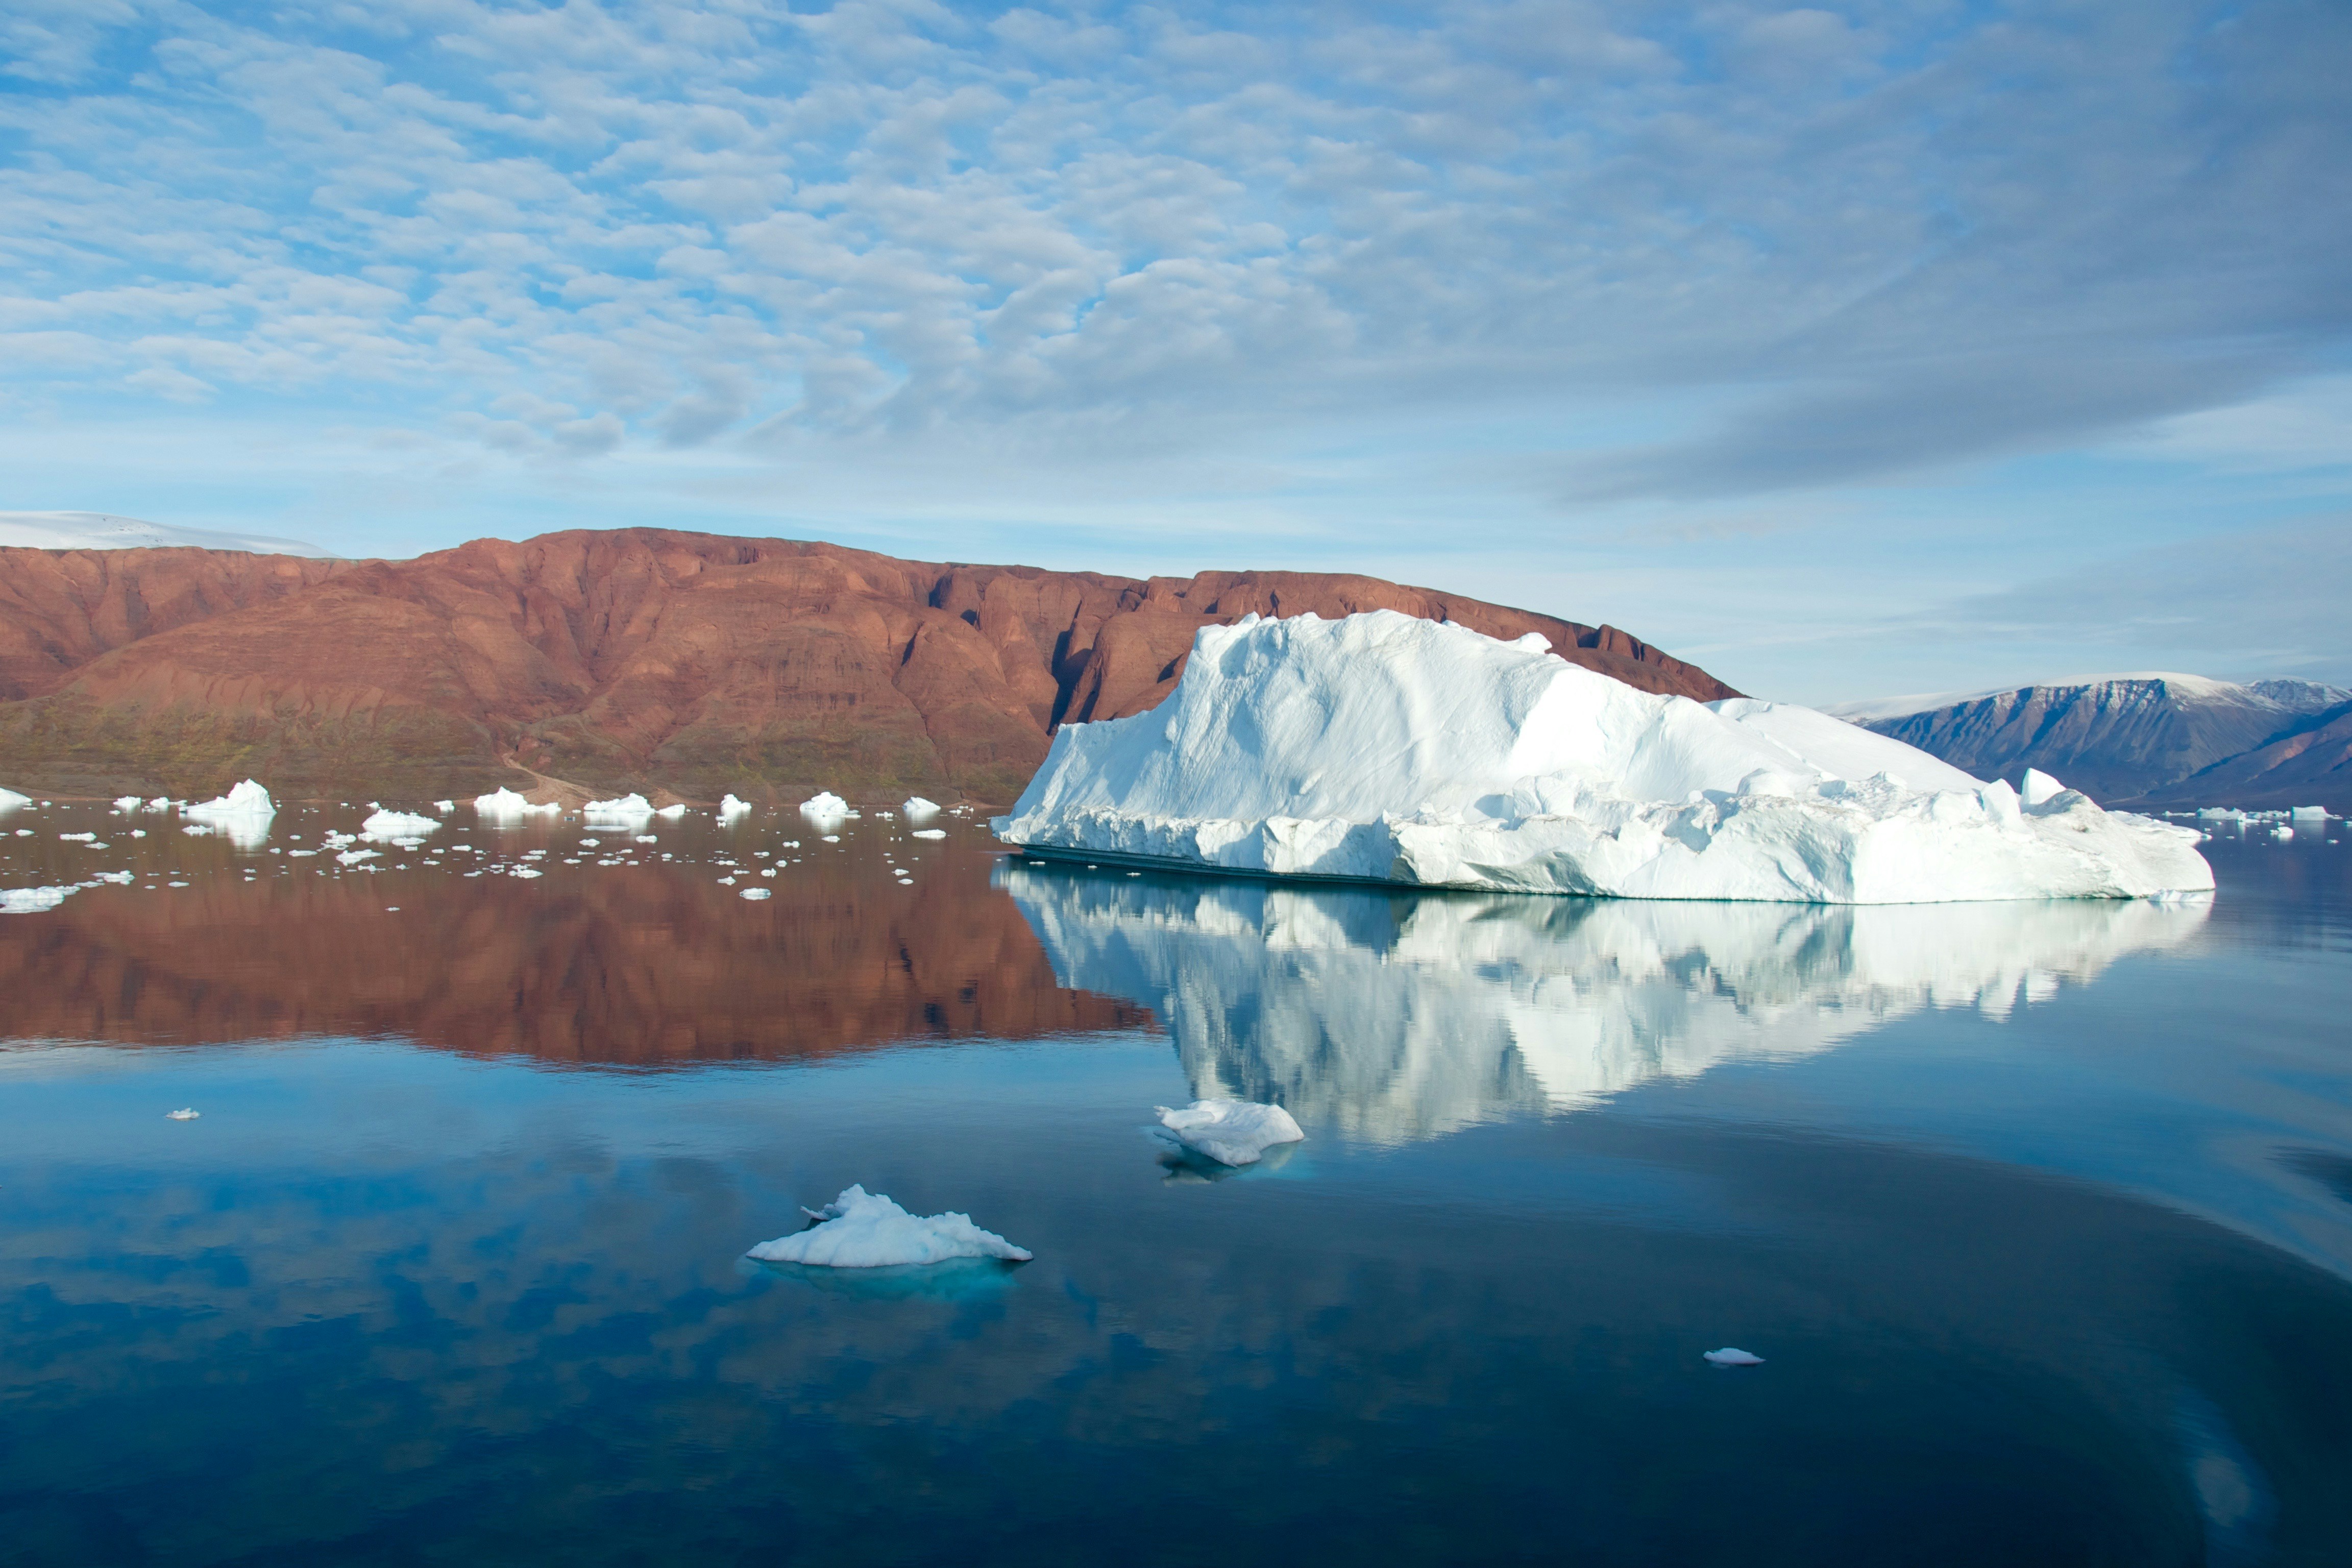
(640, 658)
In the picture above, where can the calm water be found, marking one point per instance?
(2042, 1216)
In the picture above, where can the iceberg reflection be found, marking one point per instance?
(1398, 1015)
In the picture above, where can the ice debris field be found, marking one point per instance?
(1385, 748)
(508, 836)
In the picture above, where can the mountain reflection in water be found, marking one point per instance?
(641, 965)
(1402, 1015)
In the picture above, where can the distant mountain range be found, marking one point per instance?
(634, 659)
(104, 530)
(2156, 740)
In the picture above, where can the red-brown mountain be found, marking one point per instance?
(639, 658)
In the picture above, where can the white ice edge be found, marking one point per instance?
(866, 1230)
(1382, 748)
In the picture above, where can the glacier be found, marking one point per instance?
(866, 1230)
(1388, 748)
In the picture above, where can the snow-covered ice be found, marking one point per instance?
(1729, 1356)
(185, 1114)
(128, 803)
(11, 801)
(757, 892)
(1230, 1132)
(387, 824)
(917, 809)
(731, 807)
(824, 806)
(505, 806)
(32, 900)
(444, 806)
(1384, 748)
(866, 1230)
(625, 812)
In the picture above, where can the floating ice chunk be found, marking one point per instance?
(505, 806)
(160, 803)
(731, 807)
(185, 1114)
(128, 803)
(2309, 814)
(1727, 1356)
(824, 806)
(384, 825)
(32, 900)
(671, 812)
(2282, 833)
(244, 814)
(1231, 1132)
(758, 892)
(354, 857)
(444, 806)
(1382, 748)
(78, 837)
(917, 809)
(11, 801)
(2040, 789)
(866, 1230)
(628, 810)
(928, 833)
(525, 872)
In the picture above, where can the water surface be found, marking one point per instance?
(2042, 1215)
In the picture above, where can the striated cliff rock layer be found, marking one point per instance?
(640, 658)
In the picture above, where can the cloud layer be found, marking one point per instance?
(1812, 248)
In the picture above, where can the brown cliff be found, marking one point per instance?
(637, 658)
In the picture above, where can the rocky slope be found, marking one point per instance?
(638, 658)
(2157, 738)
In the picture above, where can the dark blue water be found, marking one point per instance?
(2041, 1216)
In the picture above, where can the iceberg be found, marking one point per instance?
(128, 803)
(33, 900)
(627, 810)
(824, 806)
(866, 1230)
(1230, 1132)
(243, 815)
(917, 809)
(1383, 748)
(505, 806)
(11, 801)
(390, 825)
(732, 808)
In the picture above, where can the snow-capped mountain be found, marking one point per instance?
(104, 530)
(2115, 737)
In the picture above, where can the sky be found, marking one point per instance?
(1900, 347)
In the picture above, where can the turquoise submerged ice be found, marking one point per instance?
(1389, 748)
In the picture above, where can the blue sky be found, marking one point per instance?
(1900, 347)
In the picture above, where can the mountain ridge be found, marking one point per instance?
(633, 658)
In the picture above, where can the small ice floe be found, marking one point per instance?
(755, 892)
(397, 824)
(671, 812)
(525, 872)
(354, 857)
(928, 833)
(1230, 1132)
(78, 837)
(917, 809)
(185, 1114)
(160, 803)
(1728, 1356)
(32, 900)
(243, 815)
(505, 806)
(730, 807)
(128, 803)
(826, 809)
(866, 1230)
(444, 806)
(625, 812)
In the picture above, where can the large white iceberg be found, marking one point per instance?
(1388, 748)
(866, 1230)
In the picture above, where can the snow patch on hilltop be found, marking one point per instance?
(1384, 748)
